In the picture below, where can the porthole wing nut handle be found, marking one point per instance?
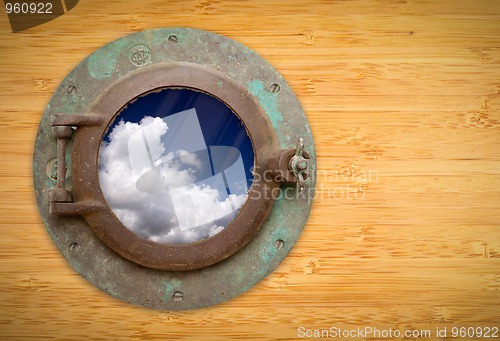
(61, 199)
(292, 166)
(299, 164)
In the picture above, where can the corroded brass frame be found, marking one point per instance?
(80, 222)
(87, 191)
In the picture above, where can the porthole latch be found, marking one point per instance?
(299, 164)
(292, 166)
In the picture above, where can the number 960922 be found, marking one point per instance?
(474, 332)
(28, 8)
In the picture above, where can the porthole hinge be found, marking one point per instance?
(76, 120)
(61, 200)
(74, 208)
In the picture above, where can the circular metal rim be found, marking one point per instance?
(224, 280)
(174, 257)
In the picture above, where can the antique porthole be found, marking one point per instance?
(174, 168)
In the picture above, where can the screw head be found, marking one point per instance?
(178, 296)
(71, 90)
(74, 246)
(274, 88)
(279, 244)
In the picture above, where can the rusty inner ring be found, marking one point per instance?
(110, 229)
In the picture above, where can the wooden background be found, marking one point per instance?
(403, 98)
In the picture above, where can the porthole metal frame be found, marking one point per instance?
(148, 274)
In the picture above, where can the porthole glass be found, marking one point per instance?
(175, 166)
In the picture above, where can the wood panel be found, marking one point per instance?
(403, 98)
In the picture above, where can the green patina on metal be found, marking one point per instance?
(169, 288)
(268, 100)
(102, 63)
(153, 288)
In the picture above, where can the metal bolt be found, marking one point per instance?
(71, 90)
(301, 164)
(178, 296)
(74, 246)
(278, 244)
(275, 88)
(173, 38)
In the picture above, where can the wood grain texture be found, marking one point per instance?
(403, 98)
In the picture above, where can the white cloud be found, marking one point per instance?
(167, 194)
